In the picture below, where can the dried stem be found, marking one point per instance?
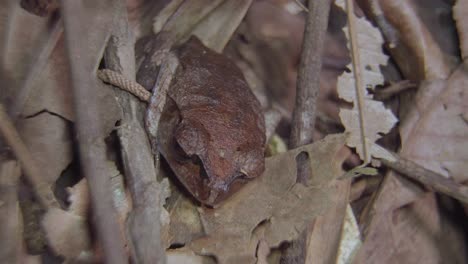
(394, 89)
(356, 60)
(143, 225)
(428, 178)
(308, 85)
(29, 166)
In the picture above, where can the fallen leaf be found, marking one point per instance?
(368, 119)
(52, 91)
(48, 138)
(272, 207)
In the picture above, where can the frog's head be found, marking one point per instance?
(225, 163)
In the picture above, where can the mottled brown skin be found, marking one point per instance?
(212, 130)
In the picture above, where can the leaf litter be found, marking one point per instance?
(272, 209)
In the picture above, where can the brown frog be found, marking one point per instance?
(206, 122)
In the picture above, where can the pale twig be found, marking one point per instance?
(356, 60)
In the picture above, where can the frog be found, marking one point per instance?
(206, 122)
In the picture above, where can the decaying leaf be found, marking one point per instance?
(212, 130)
(52, 91)
(273, 207)
(434, 134)
(48, 138)
(368, 118)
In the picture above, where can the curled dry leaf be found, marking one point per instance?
(368, 118)
(212, 130)
(274, 207)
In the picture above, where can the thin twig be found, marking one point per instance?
(393, 89)
(356, 60)
(304, 114)
(429, 178)
(28, 164)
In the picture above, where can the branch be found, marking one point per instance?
(84, 48)
(308, 85)
(428, 178)
(143, 224)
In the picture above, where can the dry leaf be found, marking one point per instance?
(48, 139)
(272, 207)
(52, 90)
(434, 134)
(368, 118)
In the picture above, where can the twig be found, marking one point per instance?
(308, 85)
(428, 178)
(301, 5)
(143, 224)
(393, 89)
(30, 168)
(356, 60)
(84, 54)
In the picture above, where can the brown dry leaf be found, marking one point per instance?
(272, 207)
(368, 119)
(52, 91)
(48, 138)
(460, 14)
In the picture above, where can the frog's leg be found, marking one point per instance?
(158, 98)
